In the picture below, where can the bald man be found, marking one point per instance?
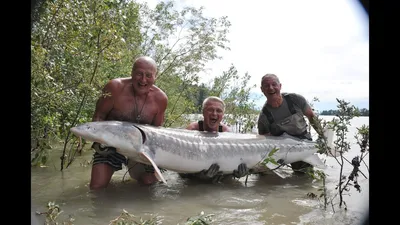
(134, 99)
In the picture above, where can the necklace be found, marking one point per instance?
(138, 117)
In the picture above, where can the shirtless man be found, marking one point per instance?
(134, 99)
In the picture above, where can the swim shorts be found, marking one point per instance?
(115, 160)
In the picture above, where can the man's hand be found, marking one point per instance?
(210, 173)
(217, 178)
(148, 168)
(241, 171)
(103, 149)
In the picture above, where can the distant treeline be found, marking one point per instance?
(363, 112)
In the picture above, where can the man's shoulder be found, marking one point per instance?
(225, 127)
(294, 96)
(116, 82)
(157, 89)
(290, 94)
(116, 85)
(193, 126)
(160, 94)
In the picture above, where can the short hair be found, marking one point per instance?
(270, 75)
(215, 99)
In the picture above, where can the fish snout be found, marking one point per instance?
(74, 130)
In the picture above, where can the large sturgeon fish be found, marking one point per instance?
(190, 151)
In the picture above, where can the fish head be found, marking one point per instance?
(124, 136)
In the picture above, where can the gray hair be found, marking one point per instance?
(270, 75)
(215, 99)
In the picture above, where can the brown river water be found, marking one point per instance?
(266, 199)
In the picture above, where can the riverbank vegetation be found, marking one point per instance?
(339, 125)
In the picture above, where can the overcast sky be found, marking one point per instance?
(318, 48)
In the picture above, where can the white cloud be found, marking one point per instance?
(317, 48)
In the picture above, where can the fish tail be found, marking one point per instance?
(330, 135)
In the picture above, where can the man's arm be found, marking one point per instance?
(309, 113)
(312, 118)
(105, 103)
(162, 104)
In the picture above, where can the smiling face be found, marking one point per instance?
(271, 87)
(213, 113)
(143, 75)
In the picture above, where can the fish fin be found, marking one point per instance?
(315, 161)
(158, 172)
(274, 168)
(330, 135)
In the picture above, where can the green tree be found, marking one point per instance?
(235, 92)
(75, 46)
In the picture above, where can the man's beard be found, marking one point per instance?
(275, 102)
